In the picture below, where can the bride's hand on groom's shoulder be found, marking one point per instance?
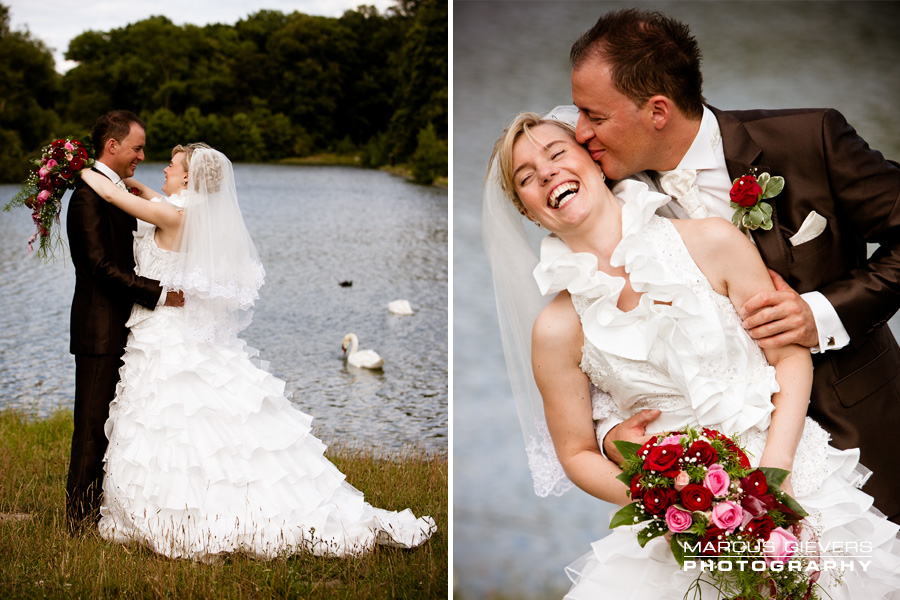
(633, 429)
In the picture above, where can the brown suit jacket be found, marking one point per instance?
(828, 168)
(101, 243)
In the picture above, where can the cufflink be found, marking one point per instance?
(829, 341)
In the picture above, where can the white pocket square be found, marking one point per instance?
(812, 227)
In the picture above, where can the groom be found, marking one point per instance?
(636, 82)
(100, 241)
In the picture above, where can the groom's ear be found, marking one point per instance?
(660, 108)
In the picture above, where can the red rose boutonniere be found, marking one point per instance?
(134, 190)
(747, 195)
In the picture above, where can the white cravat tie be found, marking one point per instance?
(681, 184)
(121, 184)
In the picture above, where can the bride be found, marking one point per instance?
(644, 308)
(206, 454)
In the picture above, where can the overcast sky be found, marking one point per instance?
(56, 22)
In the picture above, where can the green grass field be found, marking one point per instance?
(39, 559)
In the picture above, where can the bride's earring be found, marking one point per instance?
(185, 182)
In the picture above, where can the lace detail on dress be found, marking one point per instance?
(547, 472)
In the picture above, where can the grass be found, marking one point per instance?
(39, 559)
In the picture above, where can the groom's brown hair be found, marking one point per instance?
(114, 125)
(649, 54)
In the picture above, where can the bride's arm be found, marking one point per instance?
(733, 265)
(144, 191)
(557, 340)
(165, 216)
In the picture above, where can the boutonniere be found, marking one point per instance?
(747, 195)
(134, 190)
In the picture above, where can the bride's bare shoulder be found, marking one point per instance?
(558, 323)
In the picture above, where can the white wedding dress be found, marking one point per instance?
(694, 361)
(206, 454)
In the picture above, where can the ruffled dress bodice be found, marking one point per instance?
(152, 262)
(682, 349)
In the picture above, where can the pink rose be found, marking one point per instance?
(51, 163)
(43, 172)
(717, 481)
(69, 146)
(681, 481)
(43, 196)
(727, 515)
(672, 439)
(678, 520)
(780, 546)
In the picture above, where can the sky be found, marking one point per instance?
(56, 22)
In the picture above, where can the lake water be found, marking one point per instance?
(314, 227)
(513, 56)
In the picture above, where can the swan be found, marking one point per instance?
(400, 307)
(365, 359)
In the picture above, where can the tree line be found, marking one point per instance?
(271, 86)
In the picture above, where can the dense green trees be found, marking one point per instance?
(271, 86)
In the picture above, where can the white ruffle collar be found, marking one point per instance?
(669, 317)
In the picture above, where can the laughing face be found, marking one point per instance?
(554, 177)
(127, 154)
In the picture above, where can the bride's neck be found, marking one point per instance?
(600, 234)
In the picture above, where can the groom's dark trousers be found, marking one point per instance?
(101, 244)
(829, 169)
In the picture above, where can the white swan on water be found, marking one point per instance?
(400, 307)
(364, 359)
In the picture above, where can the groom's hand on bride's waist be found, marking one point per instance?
(632, 429)
(174, 298)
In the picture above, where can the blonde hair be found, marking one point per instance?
(188, 150)
(503, 149)
(211, 173)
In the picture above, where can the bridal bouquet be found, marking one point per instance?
(54, 172)
(723, 518)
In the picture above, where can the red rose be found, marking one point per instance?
(703, 452)
(76, 164)
(57, 143)
(636, 490)
(81, 152)
(745, 191)
(58, 154)
(696, 497)
(663, 458)
(710, 544)
(742, 458)
(755, 483)
(66, 173)
(656, 499)
(134, 191)
(647, 445)
(760, 527)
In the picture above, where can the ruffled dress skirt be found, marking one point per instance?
(207, 456)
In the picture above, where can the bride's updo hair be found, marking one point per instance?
(208, 173)
(503, 149)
